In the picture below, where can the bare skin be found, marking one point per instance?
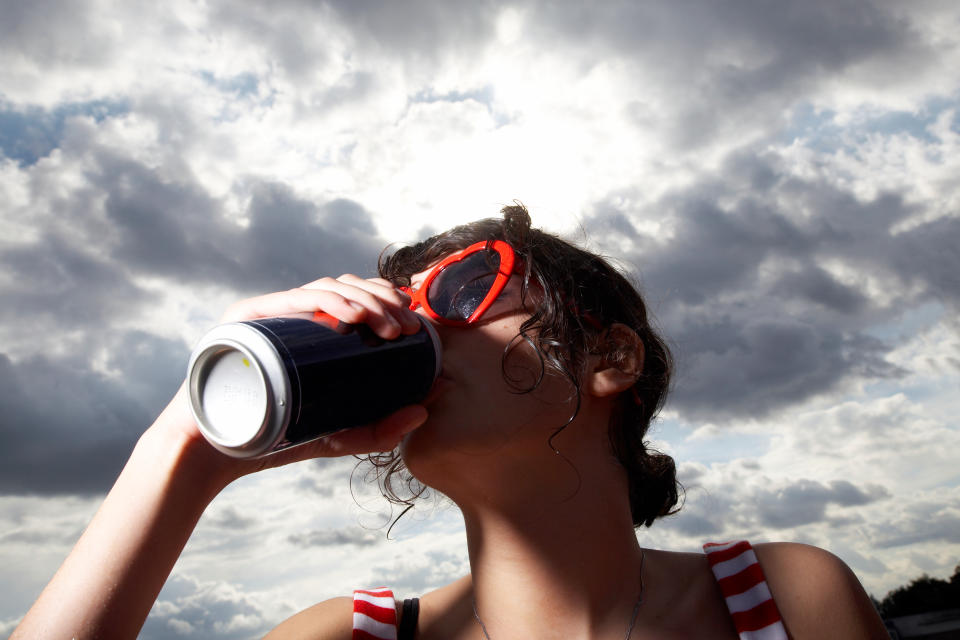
(552, 548)
(107, 584)
(553, 551)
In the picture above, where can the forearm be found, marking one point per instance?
(108, 583)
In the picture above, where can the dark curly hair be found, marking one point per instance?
(582, 295)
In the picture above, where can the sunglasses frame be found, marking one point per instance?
(418, 297)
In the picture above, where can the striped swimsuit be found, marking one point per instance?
(745, 590)
(734, 566)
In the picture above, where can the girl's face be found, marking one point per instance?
(473, 410)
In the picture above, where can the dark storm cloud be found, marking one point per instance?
(127, 219)
(749, 367)
(732, 507)
(67, 426)
(294, 241)
(740, 285)
(421, 25)
(692, 523)
(64, 283)
(819, 287)
(69, 284)
(818, 35)
(175, 229)
(292, 31)
(355, 536)
(722, 249)
(53, 31)
(921, 521)
(775, 44)
(806, 501)
(751, 60)
(928, 256)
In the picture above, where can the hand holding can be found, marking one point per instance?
(362, 309)
(261, 386)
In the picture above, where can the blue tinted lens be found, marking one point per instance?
(459, 289)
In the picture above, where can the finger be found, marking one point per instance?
(296, 301)
(397, 301)
(383, 435)
(382, 316)
(380, 281)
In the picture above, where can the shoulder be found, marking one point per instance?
(817, 593)
(445, 611)
(441, 611)
(328, 620)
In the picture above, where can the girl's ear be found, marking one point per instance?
(617, 363)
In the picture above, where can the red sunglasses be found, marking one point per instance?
(460, 289)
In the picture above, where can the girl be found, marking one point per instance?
(535, 429)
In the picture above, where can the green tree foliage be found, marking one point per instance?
(923, 595)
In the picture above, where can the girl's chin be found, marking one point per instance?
(424, 442)
(421, 455)
(438, 447)
(440, 387)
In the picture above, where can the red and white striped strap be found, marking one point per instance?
(374, 615)
(745, 590)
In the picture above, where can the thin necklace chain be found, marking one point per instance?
(633, 616)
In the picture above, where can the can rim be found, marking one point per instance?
(437, 345)
(272, 378)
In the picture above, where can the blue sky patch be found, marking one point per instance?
(720, 447)
(30, 133)
(483, 95)
(240, 85)
(818, 130)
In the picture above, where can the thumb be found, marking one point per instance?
(388, 432)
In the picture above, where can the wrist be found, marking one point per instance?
(184, 457)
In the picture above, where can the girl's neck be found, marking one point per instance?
(570, 566)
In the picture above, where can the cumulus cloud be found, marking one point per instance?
(356, 536)
(733, 499)
(80, 385)
(68, 429)
(767, 308)
(7, 626)
(417, 575)
(188, 606)
(127, 219)
(920, 521)
(806, 501)
(870, 480)
(750, 63)
(230, 518)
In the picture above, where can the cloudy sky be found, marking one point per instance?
(780, 178)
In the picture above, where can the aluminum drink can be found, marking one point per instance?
(260, 386)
